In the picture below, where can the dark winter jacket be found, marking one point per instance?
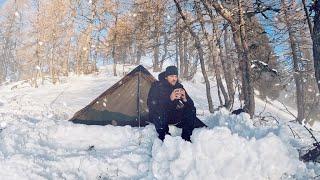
(159, 102)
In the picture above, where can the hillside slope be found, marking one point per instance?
(37, 141)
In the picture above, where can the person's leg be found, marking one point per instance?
(188, 120)
(162, 132)
(161, 124)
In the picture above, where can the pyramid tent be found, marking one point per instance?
(125, 103)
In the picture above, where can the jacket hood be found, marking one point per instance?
(162, 76)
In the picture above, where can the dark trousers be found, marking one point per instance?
(184, 118)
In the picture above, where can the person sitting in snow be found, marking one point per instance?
(169, 103)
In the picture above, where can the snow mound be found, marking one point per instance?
(232, 148)
(54, 149)
(241, 124)
(219, 154)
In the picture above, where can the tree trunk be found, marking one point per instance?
(180, 46)
(38, 68)
(156, 52)
(227, 69)
(1, 75)
(213, 54)
(316, 41)
(139, 54)
(65, 66)
(242, 51)
(156, 47)
(228, 102)
(185, 55)
(297, 74)
(177, 39)
(114, 47)
(52, 69)
(201, 56)
(177, 52)
(226, 65)
(114, 61)
(165, 48)
(215, 51)
(307, 17)
(247, 86)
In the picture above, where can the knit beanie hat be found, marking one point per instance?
(171, 70)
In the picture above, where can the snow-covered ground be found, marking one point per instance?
(37, 141)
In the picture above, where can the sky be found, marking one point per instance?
(2, 1)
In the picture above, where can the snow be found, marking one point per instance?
(37, 141)
(232, 148)
(3, 125)
(260, 62)
(213, 155)
(45, 150)
(305, 59)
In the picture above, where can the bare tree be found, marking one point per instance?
(316, 41)
(239, 37)
(201, 55)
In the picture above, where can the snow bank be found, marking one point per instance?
(222, 153)
(49, 149)
(231, 148)
(218, 154)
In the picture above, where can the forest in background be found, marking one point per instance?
(270, 49)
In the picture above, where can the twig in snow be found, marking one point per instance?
(312, 136)
(91, 148)
(287, 110)
(316, 177)
(52, 102)
(264, 108)
(294, 133)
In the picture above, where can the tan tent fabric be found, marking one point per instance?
(119, 105)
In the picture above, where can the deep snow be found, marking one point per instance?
(37, 141)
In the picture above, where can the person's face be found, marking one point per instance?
(172, 79)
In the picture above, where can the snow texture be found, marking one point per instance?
(37, 141)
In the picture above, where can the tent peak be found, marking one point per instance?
(140, 68)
